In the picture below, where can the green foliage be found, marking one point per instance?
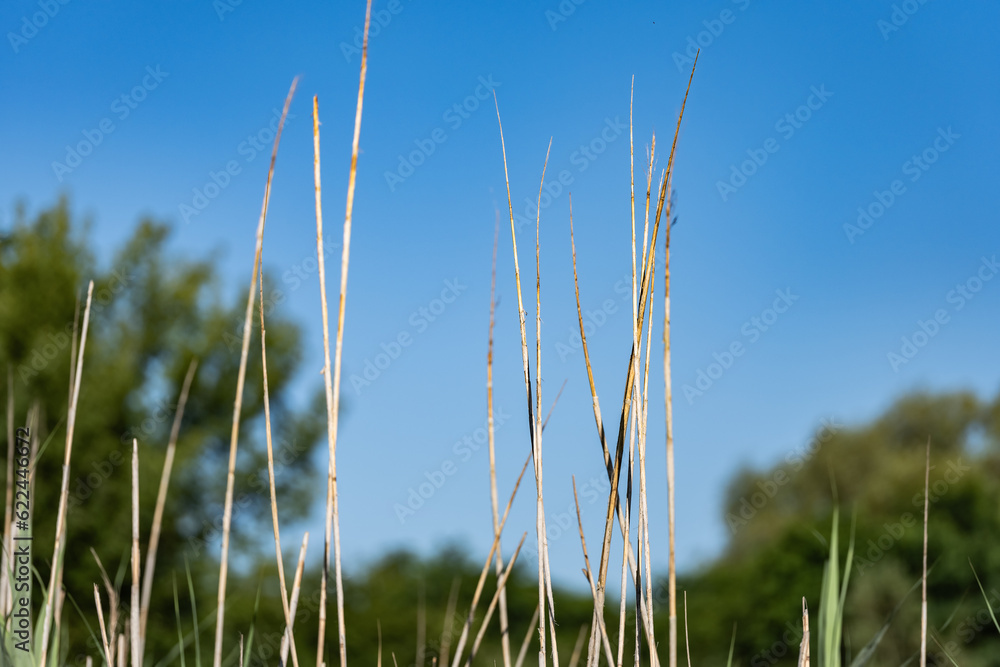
(153, 311)
(774, 556)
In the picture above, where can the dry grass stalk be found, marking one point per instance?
(55, 578)
(527, 639)
(668, 396)
(227, 515)
(594, 398)
(161, 501)
(592, 654)
(296, 592)
(504, 627)
(270, 477)
(134, 604)
(923, 580)
(574, 658)
(482, 575)
(501, 586)
(804, 645)
(108, 657)
(333, 394)
(112, 608)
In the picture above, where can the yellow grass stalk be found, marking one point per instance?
(482, 575)
(227, 515)
(527, 639)
(592, 658)
(668, 397)
(108, 658)
(55, 578)
(501, 586)
(161, 501)
(504, 627)
(333, 393)
(574, 658)
(270, 477)
(134, 605)
(923, 580)
(296, 592)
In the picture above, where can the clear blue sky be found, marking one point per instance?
(833, 100)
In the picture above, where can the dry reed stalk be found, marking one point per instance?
(547, 578)
(643, 543)
(108, 658)
(574, 658)
(55, 579)
(449, 617)
(134, 604)
(593, 392)
(296, 591)
(527, 639)
(488, 616)
(923, 580)
(122, 650)
(482, 575)
(668, 396)
(592, 658)
(333, 403)
(227, 515)
(533, 430)
(687, 643)
(378, 627)
(270, 477)
(161, 501)
(804, 645)
(112, 606)
(504, 626)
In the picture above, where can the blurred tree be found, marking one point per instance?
(778, 520)
(152, 313)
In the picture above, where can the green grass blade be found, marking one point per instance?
(983, 591)
(177, 613)
(732, 645)
(194, 613)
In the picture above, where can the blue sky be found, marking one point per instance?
(801, 119)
